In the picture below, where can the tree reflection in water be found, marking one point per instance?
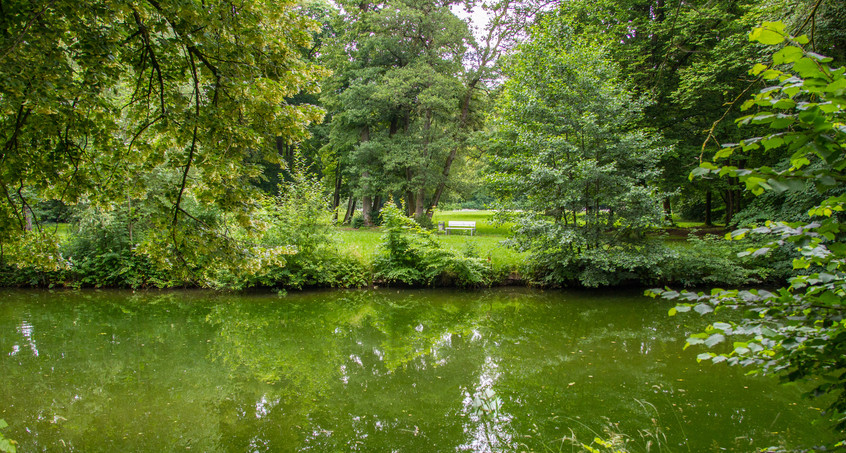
(492, 370)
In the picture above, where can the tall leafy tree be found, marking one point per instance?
(159, 100)
(409, 78)
(569, 150)
(688, 57)
(394, 95)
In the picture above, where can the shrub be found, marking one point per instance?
(301, 221)
(623, 263)
(102, 253)
(699, 261)
(424, 221)
(710, 260)
(411, 255)
(34, 258)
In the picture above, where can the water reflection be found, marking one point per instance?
(488, 422)
(368, 371)
(25, 329)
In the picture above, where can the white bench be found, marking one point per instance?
(461, 225)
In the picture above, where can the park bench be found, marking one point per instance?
(461, 225)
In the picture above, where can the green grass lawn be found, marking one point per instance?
(61, 229)
(486, 243)
(484, 225)
(362, 242)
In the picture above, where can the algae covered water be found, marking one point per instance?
(375, 370)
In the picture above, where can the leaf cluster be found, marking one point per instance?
(799, 330)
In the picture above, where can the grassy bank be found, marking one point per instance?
(340, 256)
(486, 243)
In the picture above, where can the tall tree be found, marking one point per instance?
(688, 56)
(162, 100)
(569, 150)
(393, 97)
(409, 78)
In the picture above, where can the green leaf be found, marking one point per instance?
(788, 54)
(837, 87)
(830, 298)
(722, 326)
(820, 58)
(785, 104)
(758, 68)
(714, 340)
(778, 186)
(799, 162)
(766, 36)
(807, 68)
(782, 121)
(771, 74)
(703, 309)
(722, 154)
(772, 142)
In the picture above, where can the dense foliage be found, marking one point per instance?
(568, 150)
(300, 220)
(171, 143)
(410, 255)
(799, 330)
(162, 102)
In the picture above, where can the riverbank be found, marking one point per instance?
(349, 261)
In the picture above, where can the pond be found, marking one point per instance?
(375, 370)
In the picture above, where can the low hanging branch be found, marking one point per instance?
(811, 18)
(710, 131)
(192, 149)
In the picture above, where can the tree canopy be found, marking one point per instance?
(568, 148)
(161, 100)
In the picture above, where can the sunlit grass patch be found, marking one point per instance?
(483, 219)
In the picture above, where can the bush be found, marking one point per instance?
(34, 258)
(357, 221)
(611, 265)
(301, 221)
(411, 255)
(102, 253)
(424, 221)
(698, 262)
(711, 260)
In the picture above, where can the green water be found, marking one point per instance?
(379, 371)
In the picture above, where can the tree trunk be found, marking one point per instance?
(729, 199)
(366, 207)
(668, 210)
(28, 218)
(350, 210)
(377, 203)
(129, 220)
(462, 124)
(336, 196)
(410, 206)
(421, 197)
(366, 201)
(409, 203)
